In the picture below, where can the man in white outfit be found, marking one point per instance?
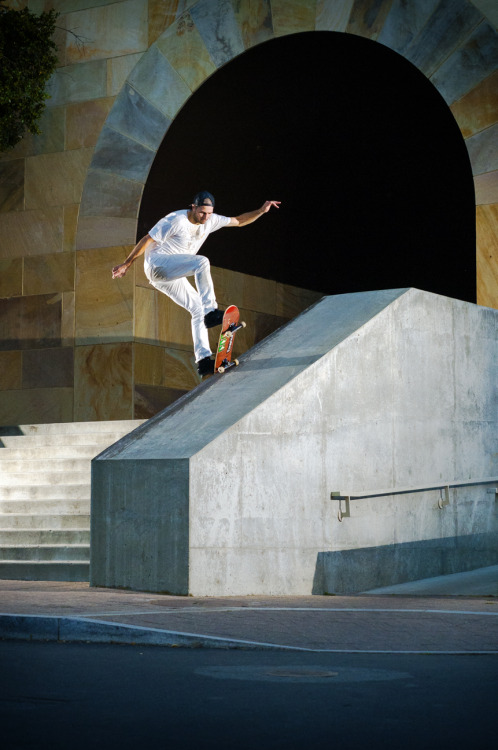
(170, 250)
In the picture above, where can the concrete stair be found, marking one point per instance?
(45, 489)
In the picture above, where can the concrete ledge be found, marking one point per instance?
(73, 630)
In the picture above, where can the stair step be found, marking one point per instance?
(43, 478)
(47, 507)
(31, 441)
(69, 428)
(34, 537)
(46, 552)
(52, 452)
(57, 521)
(80, 491)
(45, 571)
(39, 466)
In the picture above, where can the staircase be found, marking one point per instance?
(45, 486)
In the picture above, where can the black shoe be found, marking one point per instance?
(213, 318)
(205, 366)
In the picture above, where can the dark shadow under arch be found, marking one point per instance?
(365, 155)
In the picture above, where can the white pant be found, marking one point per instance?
(168, 273)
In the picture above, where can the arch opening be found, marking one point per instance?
(365, 155)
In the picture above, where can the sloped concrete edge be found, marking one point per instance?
(83, 630)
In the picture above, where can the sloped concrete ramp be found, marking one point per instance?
(228, 491)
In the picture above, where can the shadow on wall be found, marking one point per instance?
(356, 570)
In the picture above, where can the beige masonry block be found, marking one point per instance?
(36, 406)
(254, 20)
(84, 121)
(103, 382)
(478, 109)
(93, 230)
(12, 185)
(56, 179)
(10, 371)
(109, 31)
(487, 255)
(293, 16)
(49, 273)
(70, 218)
(67, 319)
(103, 305)
(333, 15)
(159, 320)
(11, 277)
(244, 290)
(486, 188)
(292, 300)
(183, 46)
(118, 70)
(31, 232)
(165, 367)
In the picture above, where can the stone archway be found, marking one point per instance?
(456, 49)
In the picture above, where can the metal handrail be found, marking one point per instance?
(347, 496)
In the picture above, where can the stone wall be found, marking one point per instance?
(75, 346)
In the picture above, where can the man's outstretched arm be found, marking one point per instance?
(139, 249)
(247, 218)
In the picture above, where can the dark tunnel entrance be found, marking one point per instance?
(365, 155)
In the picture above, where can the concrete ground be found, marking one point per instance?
(449, 614)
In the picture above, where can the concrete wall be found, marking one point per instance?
(361, 392)
(76, 346)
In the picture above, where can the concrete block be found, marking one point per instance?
(365, 391)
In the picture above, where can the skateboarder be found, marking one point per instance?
(170, 255)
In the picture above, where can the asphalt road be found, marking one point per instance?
(91, 696)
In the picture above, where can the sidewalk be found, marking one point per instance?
(449, 614)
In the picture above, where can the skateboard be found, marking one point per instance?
(229, 328)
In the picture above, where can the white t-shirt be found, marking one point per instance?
(176, 234)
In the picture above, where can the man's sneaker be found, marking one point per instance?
(213, 318)
(205, 366)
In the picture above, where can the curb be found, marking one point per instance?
(83, 630)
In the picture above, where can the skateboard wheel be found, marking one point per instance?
(221, 370)
(236, 362)
(243, 324)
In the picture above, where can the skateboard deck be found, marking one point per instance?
(229, 328)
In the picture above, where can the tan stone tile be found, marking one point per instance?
(293, 16)
(10, 372)
(93, 230)
(48, 273)
(31, 232)
(138, 267)
(487, 255)
(150, 400)
(254, 20)
(37, 406)
(478, 109)
(48, 368)
(291, 300)
(183, 46)
(159, 320)
(67, 322)
(11, 277)
(12, 185)
(84, 121)
(103, 305)
(109, 31)
(162, 13)
(244, 290)
(103, 382)
(70, 214)
(486, 188)
(332, 15)
(368, 17)
(118, 70)
(159, 366)
(30, 322)
(56, 179)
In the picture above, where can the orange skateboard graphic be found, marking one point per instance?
(229, 328)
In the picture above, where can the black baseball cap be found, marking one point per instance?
(204, 199)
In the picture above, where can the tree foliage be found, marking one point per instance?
(28, 57)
